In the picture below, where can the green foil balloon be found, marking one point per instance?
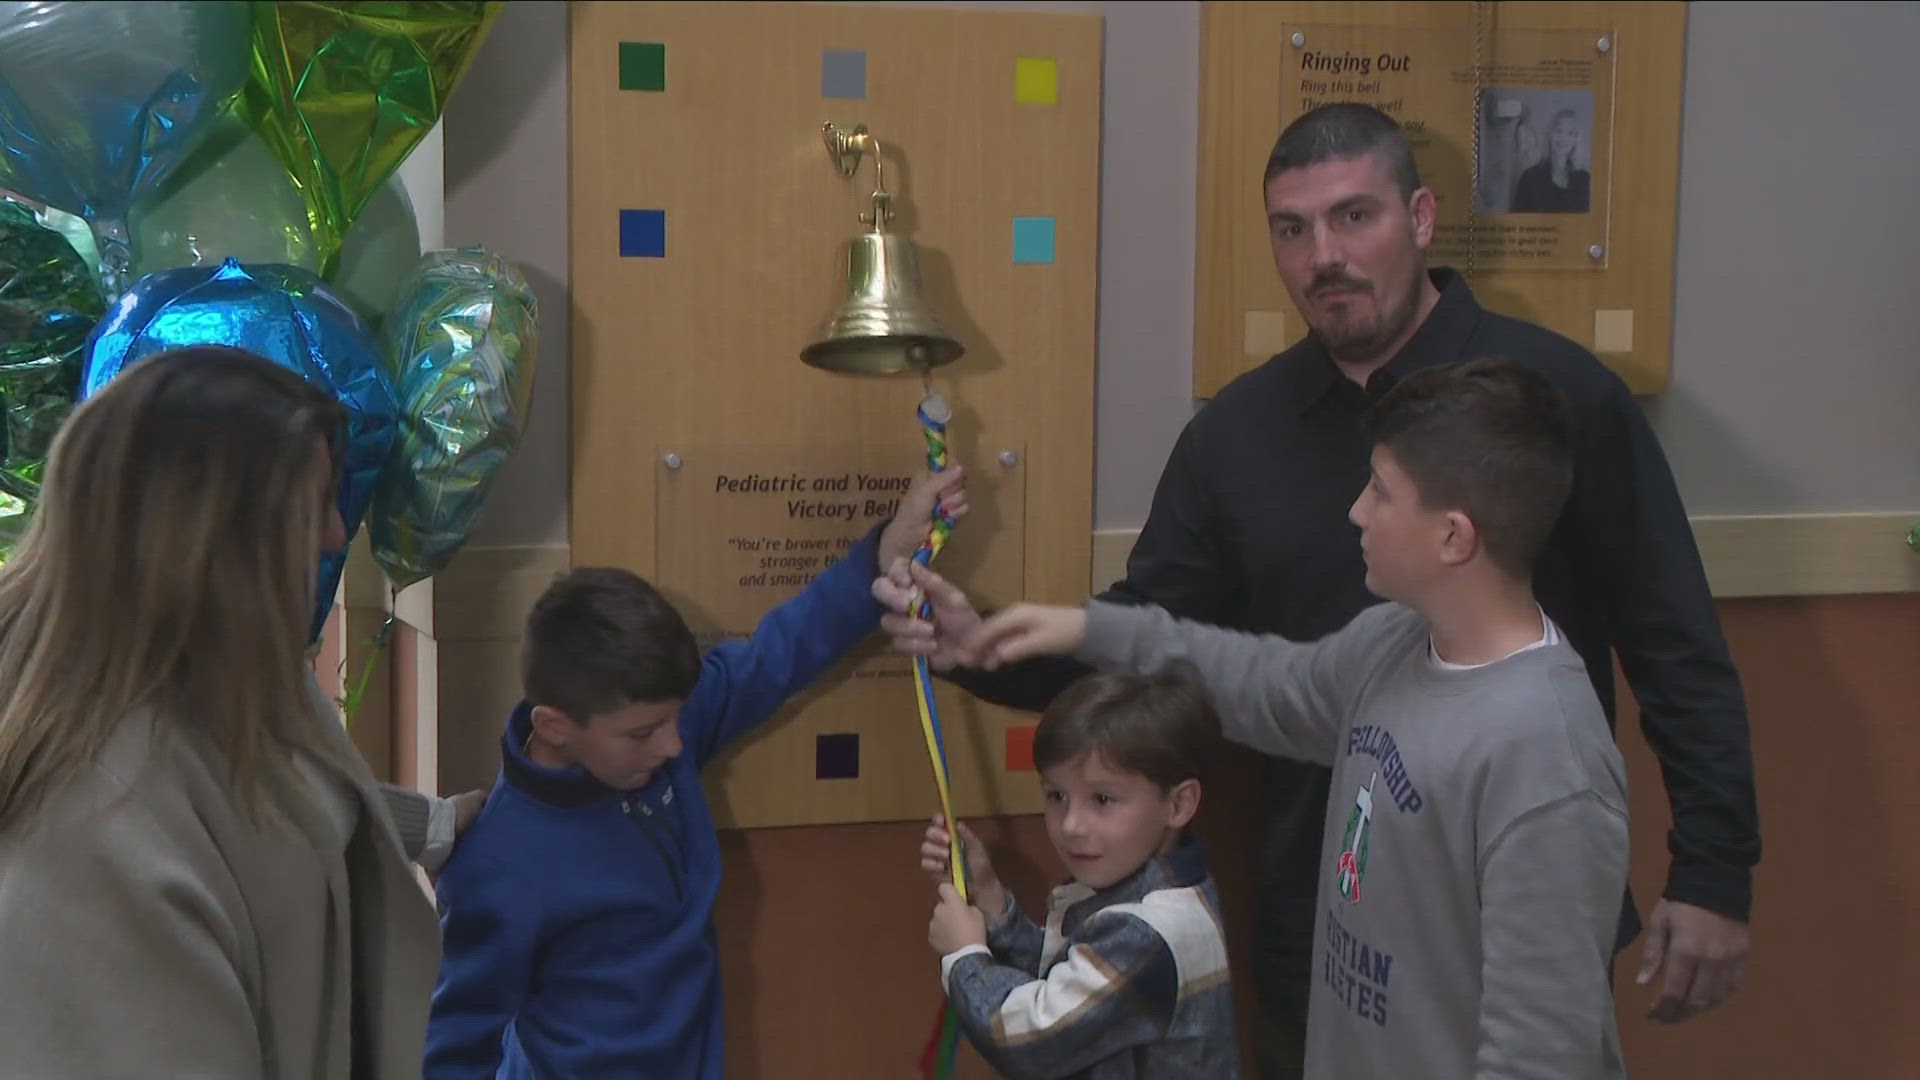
(71, 226)
(342, 92)
(464, 343)
(232, 199)
(49, 302)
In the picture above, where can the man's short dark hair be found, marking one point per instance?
(600, 639)
(1161, 726)
(1340, 132)
(1491, 438)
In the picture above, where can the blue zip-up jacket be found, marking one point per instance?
(578, 920)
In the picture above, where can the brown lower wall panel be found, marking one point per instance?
(823, 929)
(823, 935)
(1832, 684)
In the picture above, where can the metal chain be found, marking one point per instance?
(1476, 110)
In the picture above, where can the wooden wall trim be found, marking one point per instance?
(1745, 554)
(485, 594)
(1808, 554)
(481, 600)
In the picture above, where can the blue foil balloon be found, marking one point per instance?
(99, 99)
(285, 314)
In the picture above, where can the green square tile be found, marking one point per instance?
(643, 65)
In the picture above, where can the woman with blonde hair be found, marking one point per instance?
(1556, 184)
(198, 875)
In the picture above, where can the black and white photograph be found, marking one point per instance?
(1536, 151)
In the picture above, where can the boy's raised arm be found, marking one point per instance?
(743, 682)
(1273, 694)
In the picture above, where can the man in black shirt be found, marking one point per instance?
(1249, 530)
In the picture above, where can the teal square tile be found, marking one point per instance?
(1033, 239)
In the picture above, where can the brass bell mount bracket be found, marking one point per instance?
(846, 145)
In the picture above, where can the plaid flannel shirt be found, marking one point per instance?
(1124, 983)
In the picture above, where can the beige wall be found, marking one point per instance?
(1794, 373)
(506, 177)
(1795, 368)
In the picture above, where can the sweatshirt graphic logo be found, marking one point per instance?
(1352, 864)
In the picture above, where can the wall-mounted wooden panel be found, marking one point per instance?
(707, 231)
(1605, 279)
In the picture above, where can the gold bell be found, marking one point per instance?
(885, 325)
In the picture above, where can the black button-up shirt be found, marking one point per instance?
(1249, 530)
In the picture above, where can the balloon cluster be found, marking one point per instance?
(182, 173)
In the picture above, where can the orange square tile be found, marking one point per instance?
(1020, 747)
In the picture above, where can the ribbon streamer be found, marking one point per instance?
(933, 414)
(937, 1059)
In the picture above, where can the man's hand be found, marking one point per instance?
(900, 590)
(1704, 954)
(983, 884)
(945, 489)
(956, 924)
(1025, 630)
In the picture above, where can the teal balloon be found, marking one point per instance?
(232, 199)
(463, 344)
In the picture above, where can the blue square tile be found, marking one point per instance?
(836, 757)
(643, 234)
(1033, 239)
(843, 73)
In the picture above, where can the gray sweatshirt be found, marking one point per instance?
(1476, 841)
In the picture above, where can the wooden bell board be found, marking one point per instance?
(708, 233)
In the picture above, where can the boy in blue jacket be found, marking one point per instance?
(577, 912)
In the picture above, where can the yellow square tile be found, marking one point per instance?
(1613, 330)
(1264, 334)
(1036, 80)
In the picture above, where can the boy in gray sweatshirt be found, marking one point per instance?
(1476, 841)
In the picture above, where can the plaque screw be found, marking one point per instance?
(1298, 39)
(1596, 251)
(1009, 458)
(673, 461)
(1605, 45)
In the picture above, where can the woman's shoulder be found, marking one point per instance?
(145, 751)
(147, 785)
